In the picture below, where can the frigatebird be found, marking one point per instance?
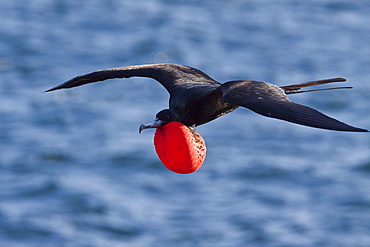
(196, 98)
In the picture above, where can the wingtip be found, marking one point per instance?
(54, 88)
(355, 129)
(350, 128)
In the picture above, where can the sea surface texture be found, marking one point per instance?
(74, 171)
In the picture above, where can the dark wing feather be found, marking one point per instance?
(172, 76)
(270, 100)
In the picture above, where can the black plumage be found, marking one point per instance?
(196, 98)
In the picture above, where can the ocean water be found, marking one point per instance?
(75, 172)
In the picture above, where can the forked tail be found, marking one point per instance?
(296, 88)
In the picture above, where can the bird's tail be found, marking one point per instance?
(296, 88)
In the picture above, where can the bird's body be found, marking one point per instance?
(196, 98)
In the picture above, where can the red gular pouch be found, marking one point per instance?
(180, 149)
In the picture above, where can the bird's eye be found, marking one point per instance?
(167, 117)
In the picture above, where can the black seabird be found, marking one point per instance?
(196, 98)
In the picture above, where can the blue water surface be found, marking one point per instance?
(75, 172)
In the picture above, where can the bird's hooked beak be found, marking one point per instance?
(156, 123)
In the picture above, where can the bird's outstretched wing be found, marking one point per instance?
(271, 101)
(172, 76)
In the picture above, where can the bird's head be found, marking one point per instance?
(162, 118)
